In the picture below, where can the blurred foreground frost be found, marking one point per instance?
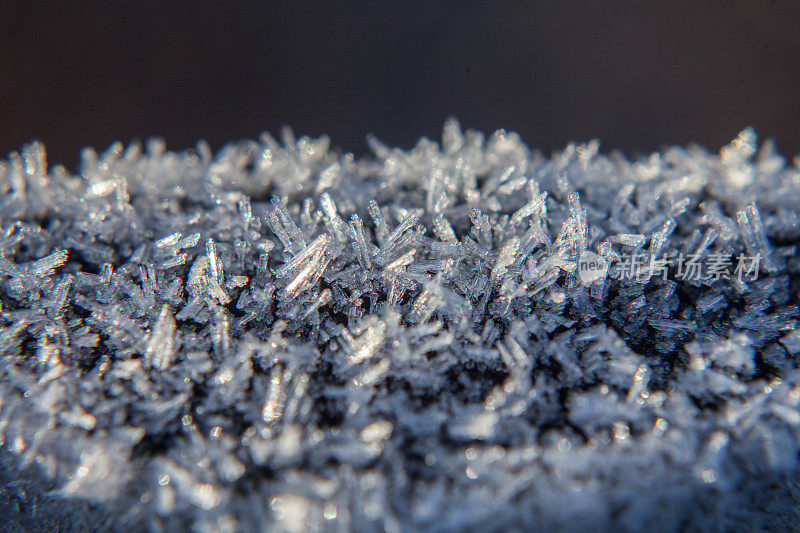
(281, 335)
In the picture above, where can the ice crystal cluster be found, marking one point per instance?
(283, 336)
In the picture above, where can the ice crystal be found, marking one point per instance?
(282, 335)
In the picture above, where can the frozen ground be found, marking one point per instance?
(465, 335)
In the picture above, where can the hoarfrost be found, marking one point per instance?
(281, 335)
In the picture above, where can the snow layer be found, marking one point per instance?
(284, 336)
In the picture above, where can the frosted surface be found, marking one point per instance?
(467, 334)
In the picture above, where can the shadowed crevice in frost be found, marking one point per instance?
(442, 338)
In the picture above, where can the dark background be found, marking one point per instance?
(636, 74)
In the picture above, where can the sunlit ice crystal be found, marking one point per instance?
(284, 336)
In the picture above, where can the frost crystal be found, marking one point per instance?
(284, 336)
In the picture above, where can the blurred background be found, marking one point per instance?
(635, 74)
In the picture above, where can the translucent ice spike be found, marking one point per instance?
(708, 239)
(168, 242)
(381, 227)
(579, 215)
(443, 230)
(741, 148)
(45, 266)
(400, 263)
(660, 238)
(245, 211)
(322, 299)
(372, 373)
(280, 232)
(367, 345)
(286, 220)
(506, 259)
(213, 261)
(161, 345)
(406, 224)
(673, 327)
(363, 252)
(536, 206)
(634, 240)
(58, 298)
(483, 227)
(305, 276)
(312, 266)
(273, 407)
(317, 247)
(332, 218)
(9, 268)
(755, 239)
